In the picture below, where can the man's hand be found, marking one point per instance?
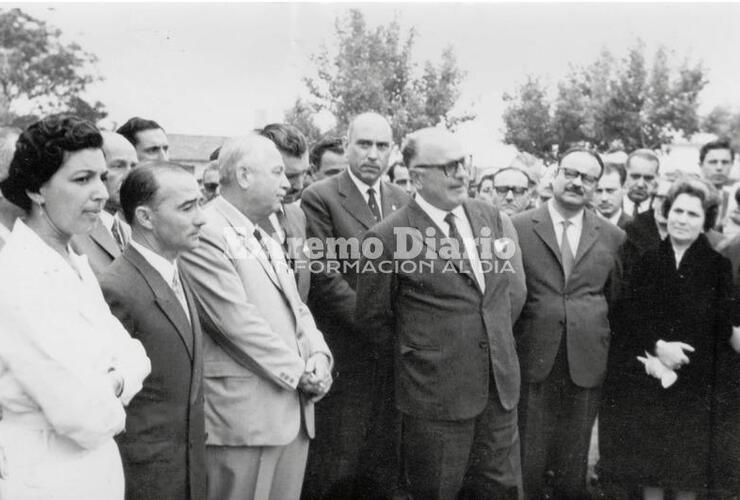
(673, 354)
(316, 380)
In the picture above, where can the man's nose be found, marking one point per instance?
(100, 192)
(509, 195)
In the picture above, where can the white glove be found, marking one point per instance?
(655, 368)
(673, 354)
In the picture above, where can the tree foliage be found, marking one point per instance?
(724, 121)
(373, 70)
(626, 102)
(37, 69)
(302, 116)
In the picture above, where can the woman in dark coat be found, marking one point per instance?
(676, 314)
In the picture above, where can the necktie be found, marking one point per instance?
(180, 293)
(635, 209)
(284, 243)
(372, 202)
(453, 233)
(118, 234)
(566, 254)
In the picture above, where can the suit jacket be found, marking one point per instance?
(447, 334)
(163, 448)
(99, 246)
(243, 298)
(623, 220)
(576, 311)
(335, 208)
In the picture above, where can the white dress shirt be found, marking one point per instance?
(574, 232)
(463, 227)
(165, 268)
(629, 206)
(364, 187)
(614, 219)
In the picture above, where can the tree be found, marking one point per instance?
(527, 118)
(302, 116)
(613, 101)
(373, 70)
(724, 121)
(37, 69)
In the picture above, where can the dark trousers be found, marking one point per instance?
(477, 458)
(556, 421)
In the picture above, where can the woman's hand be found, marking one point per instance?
(673, 354)
(735, 338)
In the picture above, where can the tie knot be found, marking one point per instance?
(566, 223)
(450, 218)
(257, 235)
(370, 191)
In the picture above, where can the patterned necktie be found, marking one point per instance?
(566, 254)
(280, 214)
(180, 293)
(372, 202)
(454, 234)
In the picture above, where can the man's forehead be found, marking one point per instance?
(641, 163)
(610, 179)
(295, 164)
(511, 176)
(370, 127)
(718, 153)
(437, 147)
(580, 160)
(178, 186)
(117, 146)
(152, 136)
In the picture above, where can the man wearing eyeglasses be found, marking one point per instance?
(511, 190)
(448, 316)
(355, 453)
(642, 179)
(573, 272)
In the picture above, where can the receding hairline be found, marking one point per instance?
(369, 115)
(245, 149)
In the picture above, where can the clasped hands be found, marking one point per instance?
(669, 356)
(316, 379)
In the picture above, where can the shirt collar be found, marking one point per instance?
(437, 214)
(557, 219)
(164, 267)
(361, 186)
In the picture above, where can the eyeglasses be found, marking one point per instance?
(572, 174)
(504, 190)
(450, 168)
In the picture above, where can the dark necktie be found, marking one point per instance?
(372, 202)
(635, 209)
(453, 233)
(286, 247)
(566, 254)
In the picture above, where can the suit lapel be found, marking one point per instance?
(197, 341)
(354, 202)
(477, 222)
(164, 297)
(542, 225)
(388, 201)
(102, 237)
(589, 235)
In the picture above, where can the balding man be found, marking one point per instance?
(148, 137)
(111, 234)
(338, 211)
(9, 212)
(265, 362)
(447, 308)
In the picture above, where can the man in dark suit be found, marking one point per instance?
(447, 308)
(338, 211)
(288, 224)
(573, 272)
(609, 193)
(111, 234)
(163, 448)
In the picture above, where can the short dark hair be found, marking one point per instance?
(487, 177)
(333, 144)
(645, 154)
(40, 151)
(391, 175)
(718, 144)
(698, 188)
(141, 185)
(288, 139)
(135, 125)
(594, 154)
(610, 167)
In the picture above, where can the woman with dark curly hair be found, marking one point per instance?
(67, 366)
(668, 356)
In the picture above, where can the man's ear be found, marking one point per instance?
(143, 217)
(243, 177)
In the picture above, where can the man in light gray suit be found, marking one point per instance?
(265, 362)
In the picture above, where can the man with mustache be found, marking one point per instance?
(642, 174)
(573, 272)
(609, 194)
(342, 208)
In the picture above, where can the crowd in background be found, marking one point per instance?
(168, 337)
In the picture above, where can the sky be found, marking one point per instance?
(223, 69)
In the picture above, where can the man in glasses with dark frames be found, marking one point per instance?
(450, 328)
(642, 178)
(572, 267)
(511, 190)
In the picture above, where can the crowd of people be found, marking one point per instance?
(320, 322)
